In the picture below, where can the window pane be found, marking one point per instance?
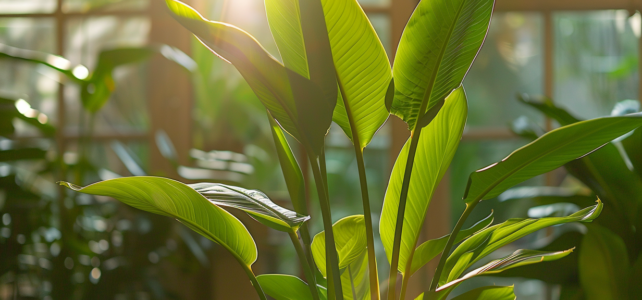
(27, 6)
(596, 60)
(36, 84)
(102, 5)
(509, 63)
(127, 108)
(374, 2)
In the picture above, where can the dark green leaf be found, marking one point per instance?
(547, 107)
(604, 264)
(564, 272)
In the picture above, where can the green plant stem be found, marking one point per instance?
(365, 198)
(332, 260)
(309, 275)
(255, 283)
(372, 259)
(394, 265)
(404, 283)
(451, 240)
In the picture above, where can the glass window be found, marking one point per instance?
(596, 60)
(36, 84)
(510, 63)
(375, 2)
(85, 6)
(27, 6)
(126, 110)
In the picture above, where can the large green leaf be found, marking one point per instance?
(604, 265)
(307, 118)
(173, 199)
(488, 293)
(77, 73)
(604, 170)
(633, 147)
(253, 202)
(636, 273)
(436, 148)
(287, 287)
(363, 70)
(350, 240)
(285, 23)
(355, 283)
(518, 258)
(436, 50)
(492, 238)
(547, 153)
(431, 248)
(362, 66)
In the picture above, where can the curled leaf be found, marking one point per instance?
(253, 202)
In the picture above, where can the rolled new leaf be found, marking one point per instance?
(174, 199)
(431, 248)
(253, 202)
(492, 238)
(547, 153)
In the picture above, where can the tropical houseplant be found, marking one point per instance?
(334, 68)
(612, 173)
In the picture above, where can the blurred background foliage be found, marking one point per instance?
(60, 245)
